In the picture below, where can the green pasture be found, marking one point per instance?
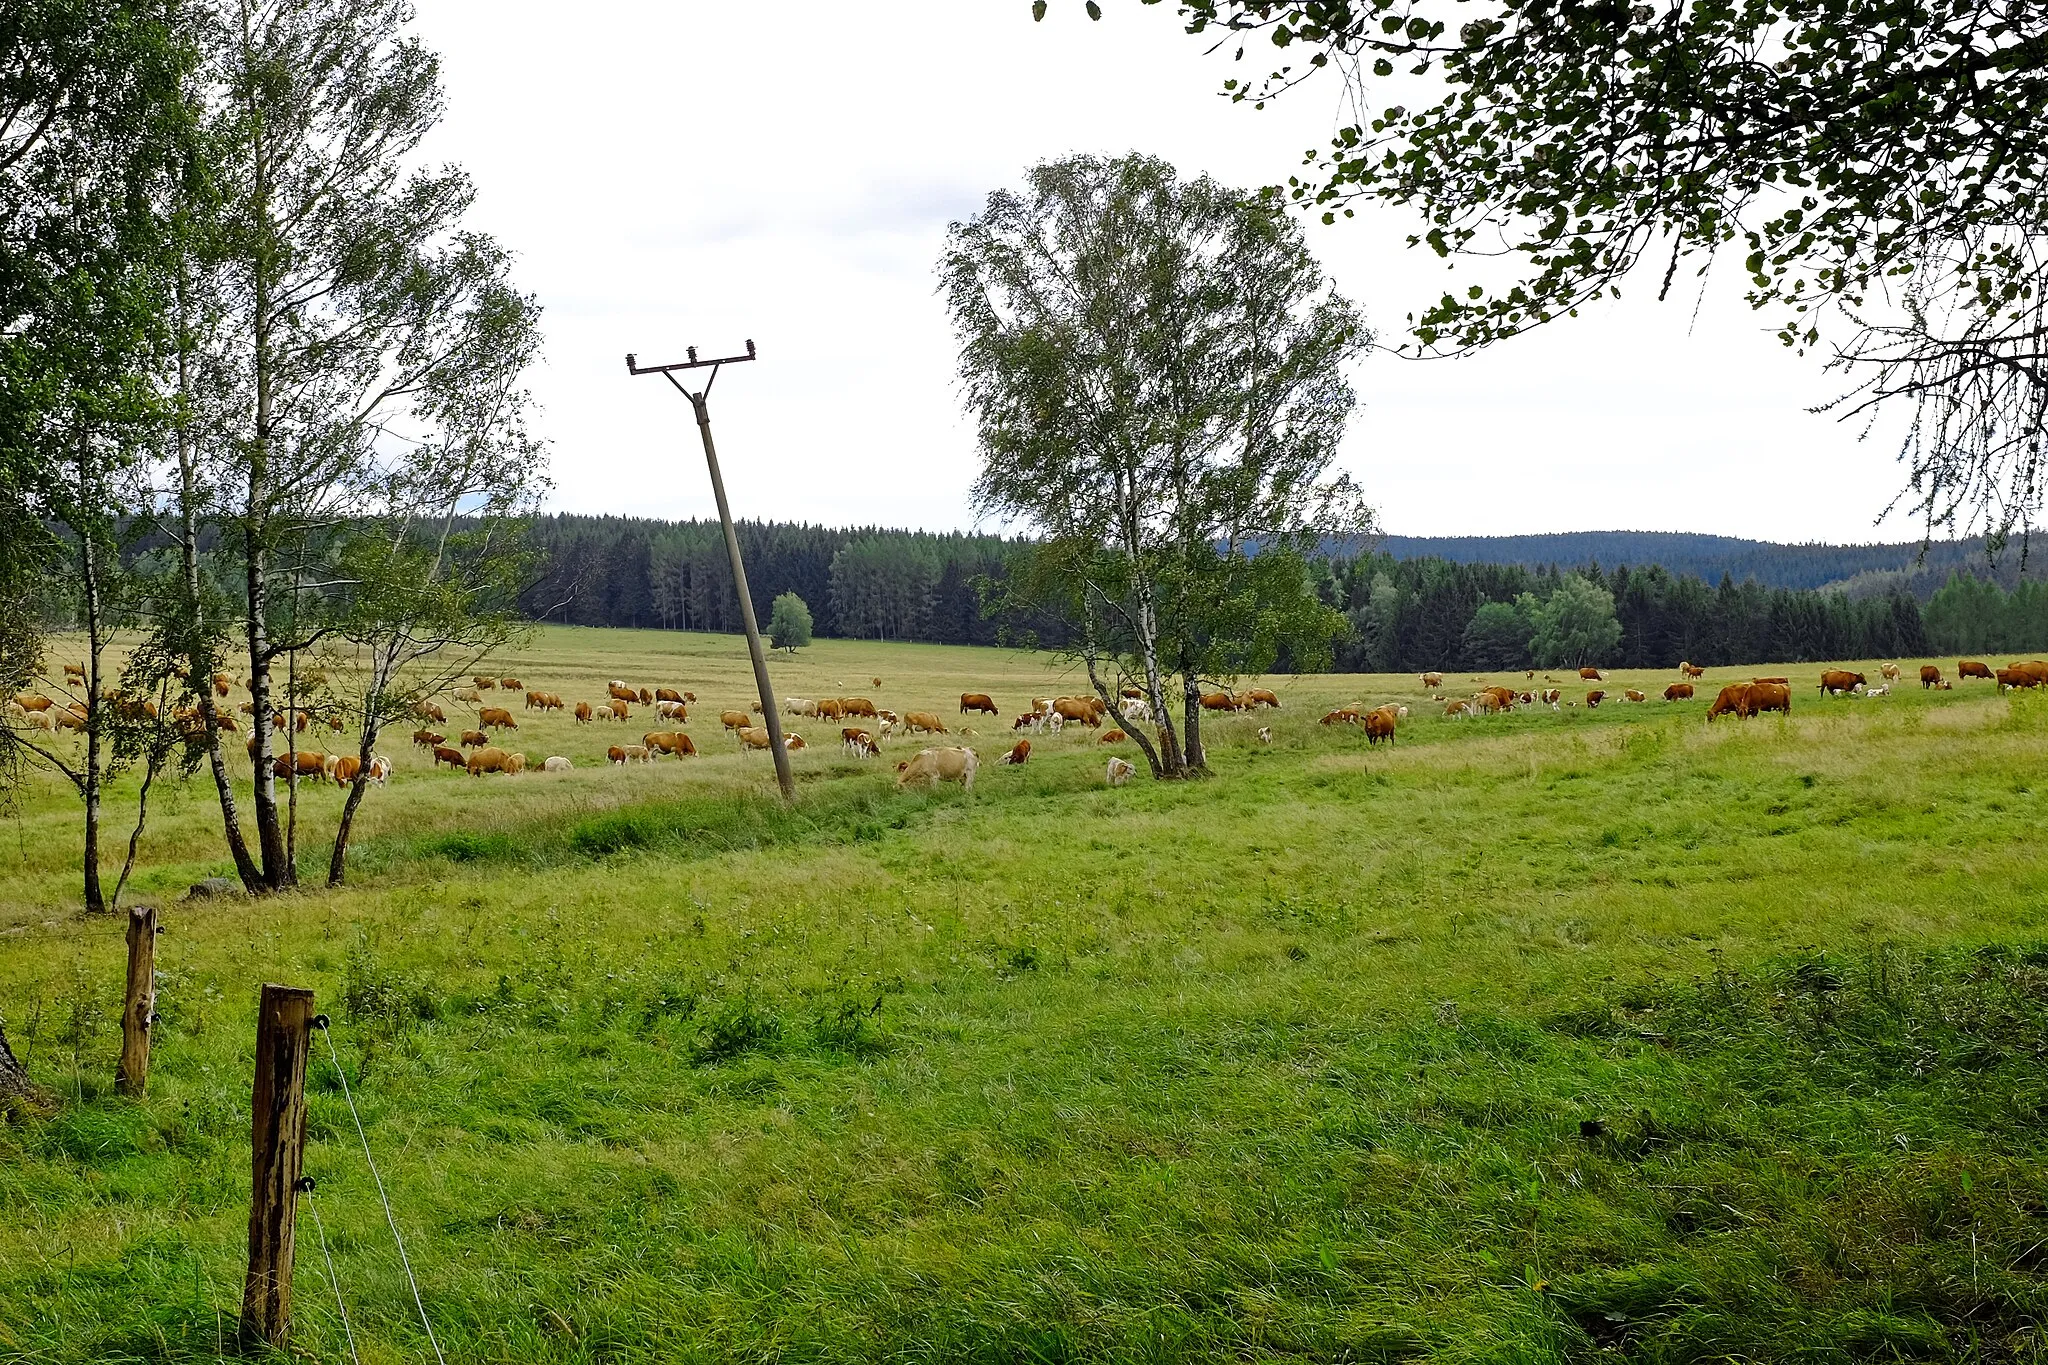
(1579, 1036)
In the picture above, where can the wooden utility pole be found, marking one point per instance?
(284, 1040)
(138, 1013)
(771, 716)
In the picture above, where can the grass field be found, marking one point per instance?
(1585, 1036)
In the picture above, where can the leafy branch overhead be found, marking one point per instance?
(1878, 167)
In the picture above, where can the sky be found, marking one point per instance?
(701, 174)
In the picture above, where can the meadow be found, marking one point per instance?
(1592, 1035)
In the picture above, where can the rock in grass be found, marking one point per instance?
(210, 888)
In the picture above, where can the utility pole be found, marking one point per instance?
(770, 713)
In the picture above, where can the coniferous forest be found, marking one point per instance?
(1404, 614)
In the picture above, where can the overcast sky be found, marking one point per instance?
(697, 174)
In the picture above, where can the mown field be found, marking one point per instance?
(1586, 1036)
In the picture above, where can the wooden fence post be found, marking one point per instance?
(284, 1039)
(139, 1013)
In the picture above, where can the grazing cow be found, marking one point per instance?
(1929, 675)
(639, 753)
(583, 713)
(1119, 771)
(432, 711)
(1631, 694)
(799, 706)
(426, 739)
(977, 701)
(1678, 692)
(618, 691)
(1974, 668)
(469, 694)
(616, 755)
(1461, 708)
(621, 711)
(831, 708)
(452, 757)
(1595, 697)
(1767, 696)
(859, 742)
(555, 763)
(1259, 696)
(754, 737)
(33, 701)
(850, 707)
(1081, 710)
(1135, 709)
(1835, 681)
(345, 769)
(1029, 720)
(2014, 677)
(735, 720)
(1691, 670)
(491, 760)
(496, 718)
(1890, 672)
(515, 764)
(1265, 734)
(1550, 696)
(380, 769)
(915, 721)
(793, 743)
(602, 712)
(1590, 674)
(874, 682)
(1379, 725)
(484, 684)
(1346, 715)
(1019, 751)
(672, 710)
(302, 764)
(933, 766)
(1730, 701)
(474, 739)
(2036, 670)
(1112, 737)
(1430, 680)
(536, 701)
(667, 694)
(1218, 701)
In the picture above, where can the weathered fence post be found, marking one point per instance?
(284, 1034)
(139, 1013)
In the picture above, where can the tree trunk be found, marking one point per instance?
(20, 1096)
(89, 785)
(256, 524)
(1191, 703)
(1171, 763)
(200, 661)
(1138, 736)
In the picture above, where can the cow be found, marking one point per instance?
(1595, 697)
(672, 710)
(1974, 668)
(302, 763)
(469, 695)
(667, 694)
(915, 721)
(1135, 709)
(735, 720)
(515, 764)
(490, 760)
(555, 763)
(1379, 725)
(602, 712)
(1019, 752)
(2014, 677)
(1259, 696)
(645, 696)
(933, 766)
(496, 718)
(1550, 696)
(665, 742)
(1835, 681)
(2036, 670)
(618, 691)
(1119, 771)
(1112, 737)
(345, 769)
(979, 702)
(1631, 694)
(1691, 670)
(1432, 680)
(1782, 682)
(615, 755)
(1081, 710)
(1461, 709)
(1890, 672)
(1344, 715)
(1767, 696)
(799, 706)
(754, 737)
(33, 701)
(793, 743)
(638, 753)
(536, 701)
(583, 713)
(621, 711)
(380, 769)
(474, 739)
(1591, 674)
(831, 708)
(1218, 701)
(483, 684)
(426, 739)
(1881, 690)
(1731, 700)
(850, 707)
(859, 742)
(1929, 676)
(1678, 692)
(452, 757)
(432, 711)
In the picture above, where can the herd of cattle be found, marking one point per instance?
(864, 726)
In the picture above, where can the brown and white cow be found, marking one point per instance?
(1019, 752)
(1836, 681)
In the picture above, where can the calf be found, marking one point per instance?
(1019, 751)
(556, 764)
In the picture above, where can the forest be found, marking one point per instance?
(1404, 614)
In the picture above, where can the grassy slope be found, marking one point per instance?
(1548, 1037)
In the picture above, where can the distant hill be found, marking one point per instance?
(1856, 569)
